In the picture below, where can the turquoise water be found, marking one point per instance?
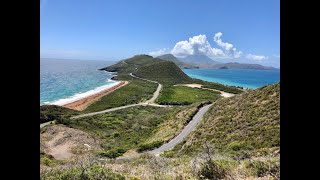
(247, 78)
(62, 81)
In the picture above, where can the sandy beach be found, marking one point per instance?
(83, 103)
(224, 94)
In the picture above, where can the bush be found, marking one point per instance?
(95, 171)
(46, 161)
(150, 146)
(113, 153)
(210, 170)
(260, 168)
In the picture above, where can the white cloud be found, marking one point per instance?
(225, 45)
(158, 52)
(196, 45)
(277, 56)
(199, 45)
(256, 57)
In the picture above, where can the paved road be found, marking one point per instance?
(155, 94)
(184, 133)
(104, 111)
(46, 123)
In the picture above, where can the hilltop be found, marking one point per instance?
(146, 66)
(165, 72)
(172, 58)
(131, 64)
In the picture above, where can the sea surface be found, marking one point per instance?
(64, 81)
(247, 78)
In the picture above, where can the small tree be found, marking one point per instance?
(208, 169)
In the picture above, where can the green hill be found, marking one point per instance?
(172, 58)
(165, 72)
(148, 67)
(245, 124)
(131, 64)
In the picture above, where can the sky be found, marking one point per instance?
(245, 31)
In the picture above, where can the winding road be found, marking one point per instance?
(184, 133)
(149, 102)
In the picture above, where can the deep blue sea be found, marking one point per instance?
(64, 81)
(247, 78)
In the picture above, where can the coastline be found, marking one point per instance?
(84, 102)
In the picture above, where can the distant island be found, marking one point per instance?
(203, 61)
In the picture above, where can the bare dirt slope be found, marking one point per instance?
(63, 143)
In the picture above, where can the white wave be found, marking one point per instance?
(78, 96)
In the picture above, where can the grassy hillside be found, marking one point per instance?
(181, 95)
(172, 58)
(134, 92)
(53, 112)
(245, 124)
(164, 72)
(130, 129)
(131, 64)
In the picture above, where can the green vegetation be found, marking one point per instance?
(134, 92)
(221, 87)
(240, 126)
(181, 95)
(125, 129)
(130, 65)
(149, 146)
(53, 112)
(165, 72)
(172, 58)
(89, 172)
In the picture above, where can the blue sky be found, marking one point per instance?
(226, 30)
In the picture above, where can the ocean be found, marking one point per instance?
(64, 81)
(247, 78)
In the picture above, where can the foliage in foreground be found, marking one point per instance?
(125, 129)
(240, 126)
(82, 171)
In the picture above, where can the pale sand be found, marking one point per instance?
(223, 94)
(83, 103)
(190, 85)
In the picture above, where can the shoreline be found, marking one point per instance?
(83, 103)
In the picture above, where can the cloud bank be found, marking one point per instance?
(199, 45)
(256, 57)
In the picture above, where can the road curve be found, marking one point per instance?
(149, 102)
(184, 133)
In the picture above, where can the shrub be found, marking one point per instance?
(46, 161)
(113, 153)
(150, 146)
(260, 168)
(210, 170)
